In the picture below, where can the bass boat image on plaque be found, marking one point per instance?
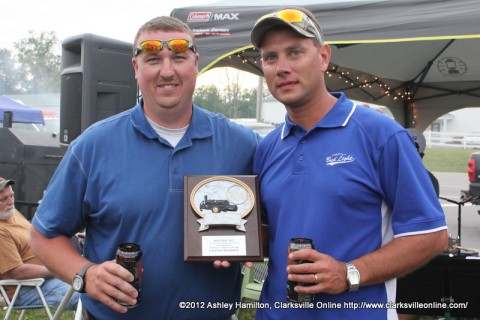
(222, 219)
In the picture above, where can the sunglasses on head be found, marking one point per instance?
(297, 18)
(174, 45)
(290, 15)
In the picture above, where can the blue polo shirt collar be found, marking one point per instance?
(338, 116)
(199, 126)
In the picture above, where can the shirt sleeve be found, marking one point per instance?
(408, 189)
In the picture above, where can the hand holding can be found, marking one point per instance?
(295, 245)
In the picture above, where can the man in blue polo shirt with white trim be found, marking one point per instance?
(347, 177)
(123, 181)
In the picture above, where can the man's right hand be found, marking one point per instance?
(108, 283)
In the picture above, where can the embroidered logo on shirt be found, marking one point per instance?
(338, 158)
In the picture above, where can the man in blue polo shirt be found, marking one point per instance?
(347, 177)
(123, 179)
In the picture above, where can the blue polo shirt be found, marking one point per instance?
(124, 183)
(352, 183)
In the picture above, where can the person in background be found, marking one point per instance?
(347, 177)
(420, 144)
(123, 180)
(17, 260)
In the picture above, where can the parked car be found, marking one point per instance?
(474, 177)
(261, 128)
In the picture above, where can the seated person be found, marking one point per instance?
(17, 260)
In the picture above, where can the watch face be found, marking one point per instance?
(353, 277)
(77, 283)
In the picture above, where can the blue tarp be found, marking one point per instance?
(20, 112)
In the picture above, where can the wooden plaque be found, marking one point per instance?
(222, 219)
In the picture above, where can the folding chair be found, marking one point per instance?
(253, 279)
(79, 311)
(78, 244)
(61, 307)
(10, 304)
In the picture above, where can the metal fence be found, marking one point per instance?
(462, 140)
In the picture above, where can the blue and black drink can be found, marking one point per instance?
(129, 256)
(295, 245)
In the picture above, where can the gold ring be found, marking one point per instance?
(316, 278)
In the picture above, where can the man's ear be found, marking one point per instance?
(326, 53)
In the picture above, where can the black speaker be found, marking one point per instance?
(97, 81)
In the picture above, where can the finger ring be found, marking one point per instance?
(316, 278)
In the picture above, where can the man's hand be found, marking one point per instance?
(108, 283)
(324, 274)
(217, 264)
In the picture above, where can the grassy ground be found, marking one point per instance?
(447, 160)
(244, 314)
(36, 314)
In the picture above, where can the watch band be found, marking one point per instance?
(84, 269)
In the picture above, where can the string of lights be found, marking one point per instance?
(370, 84)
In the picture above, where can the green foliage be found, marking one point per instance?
(247, 106)
(447, 160)
(36, 314)
(33, 67)
(209, 97)
(40, 64)
(233, 102)
(9, 81)
(246, 314)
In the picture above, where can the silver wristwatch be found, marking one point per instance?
(353, 277)
(78, 282)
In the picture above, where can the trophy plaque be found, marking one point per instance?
(222, 219)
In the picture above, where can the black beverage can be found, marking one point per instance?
(295, 245)
(129, 256)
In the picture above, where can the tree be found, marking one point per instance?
(209, 97)
(240, 105)
(9, 80)
(247, 106)
(40, 65)
(232, 94)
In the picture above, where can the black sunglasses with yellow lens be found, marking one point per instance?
(174, 45)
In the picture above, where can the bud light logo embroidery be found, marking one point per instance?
(338, 158)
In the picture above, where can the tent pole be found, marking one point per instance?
(407, 115)
(259, 110)
(7, 119)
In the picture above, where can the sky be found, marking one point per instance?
(115, 19)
